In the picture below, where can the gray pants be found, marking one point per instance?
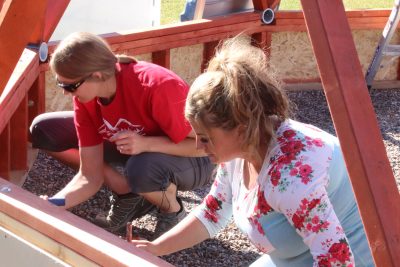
(146, 172)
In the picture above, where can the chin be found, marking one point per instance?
(82, 100)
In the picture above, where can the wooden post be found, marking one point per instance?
(19, 137)
(356, 126)
(36, 97)
(263, 40)
(16, 24)
(162, 58)
(5, 163)
(208, 53)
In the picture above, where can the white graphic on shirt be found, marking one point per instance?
(107, 130)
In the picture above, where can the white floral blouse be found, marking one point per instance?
(290, 212)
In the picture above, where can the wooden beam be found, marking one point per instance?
(73, 232)
(36, 97)
(194, 32)
(220, 28)
(21, 80)
(264, 4)
(208, 53)
(263, 40)
(19, 137)
(5, 152)
(17, 19)
(356, 126)
(162, 58)
(55, 10)
(39, 241)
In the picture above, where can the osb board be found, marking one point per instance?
(291, 54)
(186, 61)
(55, 100)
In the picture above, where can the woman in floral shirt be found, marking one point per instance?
(284, 182)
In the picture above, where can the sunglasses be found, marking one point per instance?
(70, 87)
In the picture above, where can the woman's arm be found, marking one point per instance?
(189, 232)
(131, 143)
(88, 180)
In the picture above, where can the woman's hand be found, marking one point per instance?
(129, 142)
(148, 246)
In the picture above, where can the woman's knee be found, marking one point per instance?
(53, 131)
(146, 172)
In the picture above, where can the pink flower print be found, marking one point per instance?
(275, 176)
(340, 251)
(289, 134)
(292, 147)
(318, 142)
(262, 205)
(212, 203)
(305, 180)
(293, 172)
(338, 255)
(297, 164)
(286, 158)
(305, 170)
(313, 203)
(210, 215)
(298, 221)
(255, 222)
(315, 220)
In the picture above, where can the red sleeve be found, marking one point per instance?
(86, 129)
(167, 105)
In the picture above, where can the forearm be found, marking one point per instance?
(186, 234)
(78, 190)
(185, 148)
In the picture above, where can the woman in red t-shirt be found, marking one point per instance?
(125, 111)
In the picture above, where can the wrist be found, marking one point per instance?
(158, 248)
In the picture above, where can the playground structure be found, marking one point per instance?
(22, 87)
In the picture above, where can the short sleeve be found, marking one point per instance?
(168, 104)
(85, 125)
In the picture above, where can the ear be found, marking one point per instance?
(98, 75)
(241, 129)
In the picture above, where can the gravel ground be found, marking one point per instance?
(229, 247)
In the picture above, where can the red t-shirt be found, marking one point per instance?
(149, 100)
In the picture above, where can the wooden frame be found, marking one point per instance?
(356, 126)
(72, 232)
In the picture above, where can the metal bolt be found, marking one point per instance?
(5, 189)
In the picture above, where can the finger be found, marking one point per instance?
(120, 135)
(45, 197)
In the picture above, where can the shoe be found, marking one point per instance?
(124, 208)
(165, 221)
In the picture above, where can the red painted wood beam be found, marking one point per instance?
(264, 4)
(263, 40)
(79, 235)
(17, 22)
(23, 77)
(356, 126)
(162, 58)
(19, 137)
(36, 97)
(5, 162)
(55, 10)
(208, 53)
